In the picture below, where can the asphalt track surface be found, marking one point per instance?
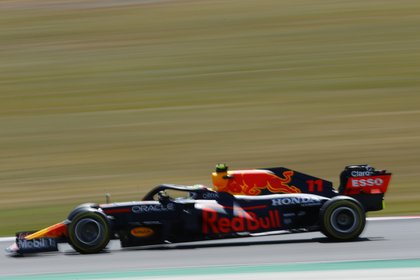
(395, 239)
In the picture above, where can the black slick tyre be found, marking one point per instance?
(342, 219)
(89, 232)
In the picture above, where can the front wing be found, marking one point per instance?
(36, 245)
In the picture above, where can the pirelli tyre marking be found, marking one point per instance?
(342, 219)
(89, 232)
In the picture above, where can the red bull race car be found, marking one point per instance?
(241, 203)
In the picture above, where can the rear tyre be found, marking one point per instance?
(342, 219)
(89, 232)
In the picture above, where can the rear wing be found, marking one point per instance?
(366, 184)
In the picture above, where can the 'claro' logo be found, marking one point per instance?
(142, 232)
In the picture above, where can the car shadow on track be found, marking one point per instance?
(225, 243)
(229, 243)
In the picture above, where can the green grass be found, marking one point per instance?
(97, 98)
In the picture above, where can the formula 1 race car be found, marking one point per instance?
(241, 203)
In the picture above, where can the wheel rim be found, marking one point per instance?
(344, 219)
(88, 231)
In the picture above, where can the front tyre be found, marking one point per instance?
(342, 219)
(89, 232)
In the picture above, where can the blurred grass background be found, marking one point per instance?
(119, 96)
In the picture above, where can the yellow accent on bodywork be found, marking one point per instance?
(53, 231)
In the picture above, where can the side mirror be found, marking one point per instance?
(163, 197)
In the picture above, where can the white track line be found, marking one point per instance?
(7, 239)
(392, 218)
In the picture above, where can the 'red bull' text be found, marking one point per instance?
(213, 222)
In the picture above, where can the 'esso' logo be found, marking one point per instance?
(142, 232)
(367, 182)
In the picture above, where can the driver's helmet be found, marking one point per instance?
(219, 177)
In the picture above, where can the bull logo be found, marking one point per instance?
(253, 182)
